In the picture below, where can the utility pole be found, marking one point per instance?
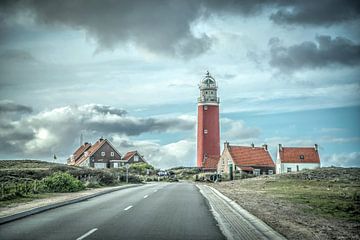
(127, 172)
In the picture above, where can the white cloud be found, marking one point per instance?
(342, 160)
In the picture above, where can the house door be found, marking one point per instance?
(231, 172)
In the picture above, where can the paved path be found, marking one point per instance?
(152, 211)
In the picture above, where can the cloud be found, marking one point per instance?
(237, 130)
(16, 55)
(165, 27)
(316, 12)
(325, 51)
(9, 106)
(342, 160)
(179, 153)
(57, 130)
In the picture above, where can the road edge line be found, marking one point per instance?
(37, 210)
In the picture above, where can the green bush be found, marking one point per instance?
(62, 182)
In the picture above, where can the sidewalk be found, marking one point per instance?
(234, 221)
(25, 209)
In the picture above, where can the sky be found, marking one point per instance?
(288, 73)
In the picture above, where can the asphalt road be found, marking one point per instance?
(153, 211)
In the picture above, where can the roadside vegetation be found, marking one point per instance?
(24, 180)
(312, 204)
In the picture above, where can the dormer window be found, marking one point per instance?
(302, 157)
(205, 108)
(205, 131)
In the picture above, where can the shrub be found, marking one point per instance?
(62, 182)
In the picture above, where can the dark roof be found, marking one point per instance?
(250, 156)
(299, 155)
(79, 152)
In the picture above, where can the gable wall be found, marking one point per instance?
(97, 158)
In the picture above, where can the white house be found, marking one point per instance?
(294, 159)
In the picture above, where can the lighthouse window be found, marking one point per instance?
(205, 131)
(205, 108)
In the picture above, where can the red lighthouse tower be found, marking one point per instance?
(208, 130)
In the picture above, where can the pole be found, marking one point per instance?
(127, 173)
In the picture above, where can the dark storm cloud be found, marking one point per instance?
(325, 51)
(164, 27)
(15, 55)
(8, 106)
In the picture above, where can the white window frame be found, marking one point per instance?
(112, 154)
(288, 169)
(136, 158)
(270, 172)
(99, 165)
(257, 172)
(116, 165)
(205, 131)
(205, 107)
(103, 154)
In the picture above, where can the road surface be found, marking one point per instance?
(153, 211)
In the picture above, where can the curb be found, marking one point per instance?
(257, 223)
(60, 204)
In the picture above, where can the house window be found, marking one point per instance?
(289, 169)
(257, 172)
(103, 154)
(112, 154)
(205, 131)
(136, 158)
(270, 172)
(302, 157)
(205, 108)
(116, 165)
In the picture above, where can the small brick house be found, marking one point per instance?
(133, 157)
(294, 159)
(102, 154)
(245, 160)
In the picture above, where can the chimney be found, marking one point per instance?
(226, 145)
(280, 148)
(316, 147)
(101, 139)
(265, 146)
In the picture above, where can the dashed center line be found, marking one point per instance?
(128, 208)
(155, 190)
(87, 234)
(145, 196)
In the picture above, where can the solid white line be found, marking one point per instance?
(87, 234)
(145, 196)
(128, 208)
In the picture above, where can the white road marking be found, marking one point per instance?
(87, 234)
(145, 196)
(128, 208)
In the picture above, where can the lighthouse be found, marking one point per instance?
(208, 129)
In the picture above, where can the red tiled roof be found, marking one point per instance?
(250, 156)
(292, 155)
(128, 155)
(211, 162)
(91, 151)
(80, 151)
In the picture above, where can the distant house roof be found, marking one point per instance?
(299, 155)
(128, 155)
(78, 152)
(250, 156)
(211, 162)
(93, 149)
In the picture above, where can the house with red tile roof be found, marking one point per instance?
(210, 163)
(245, 160)
(133, 157)
(294, 159)
(102, 154)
